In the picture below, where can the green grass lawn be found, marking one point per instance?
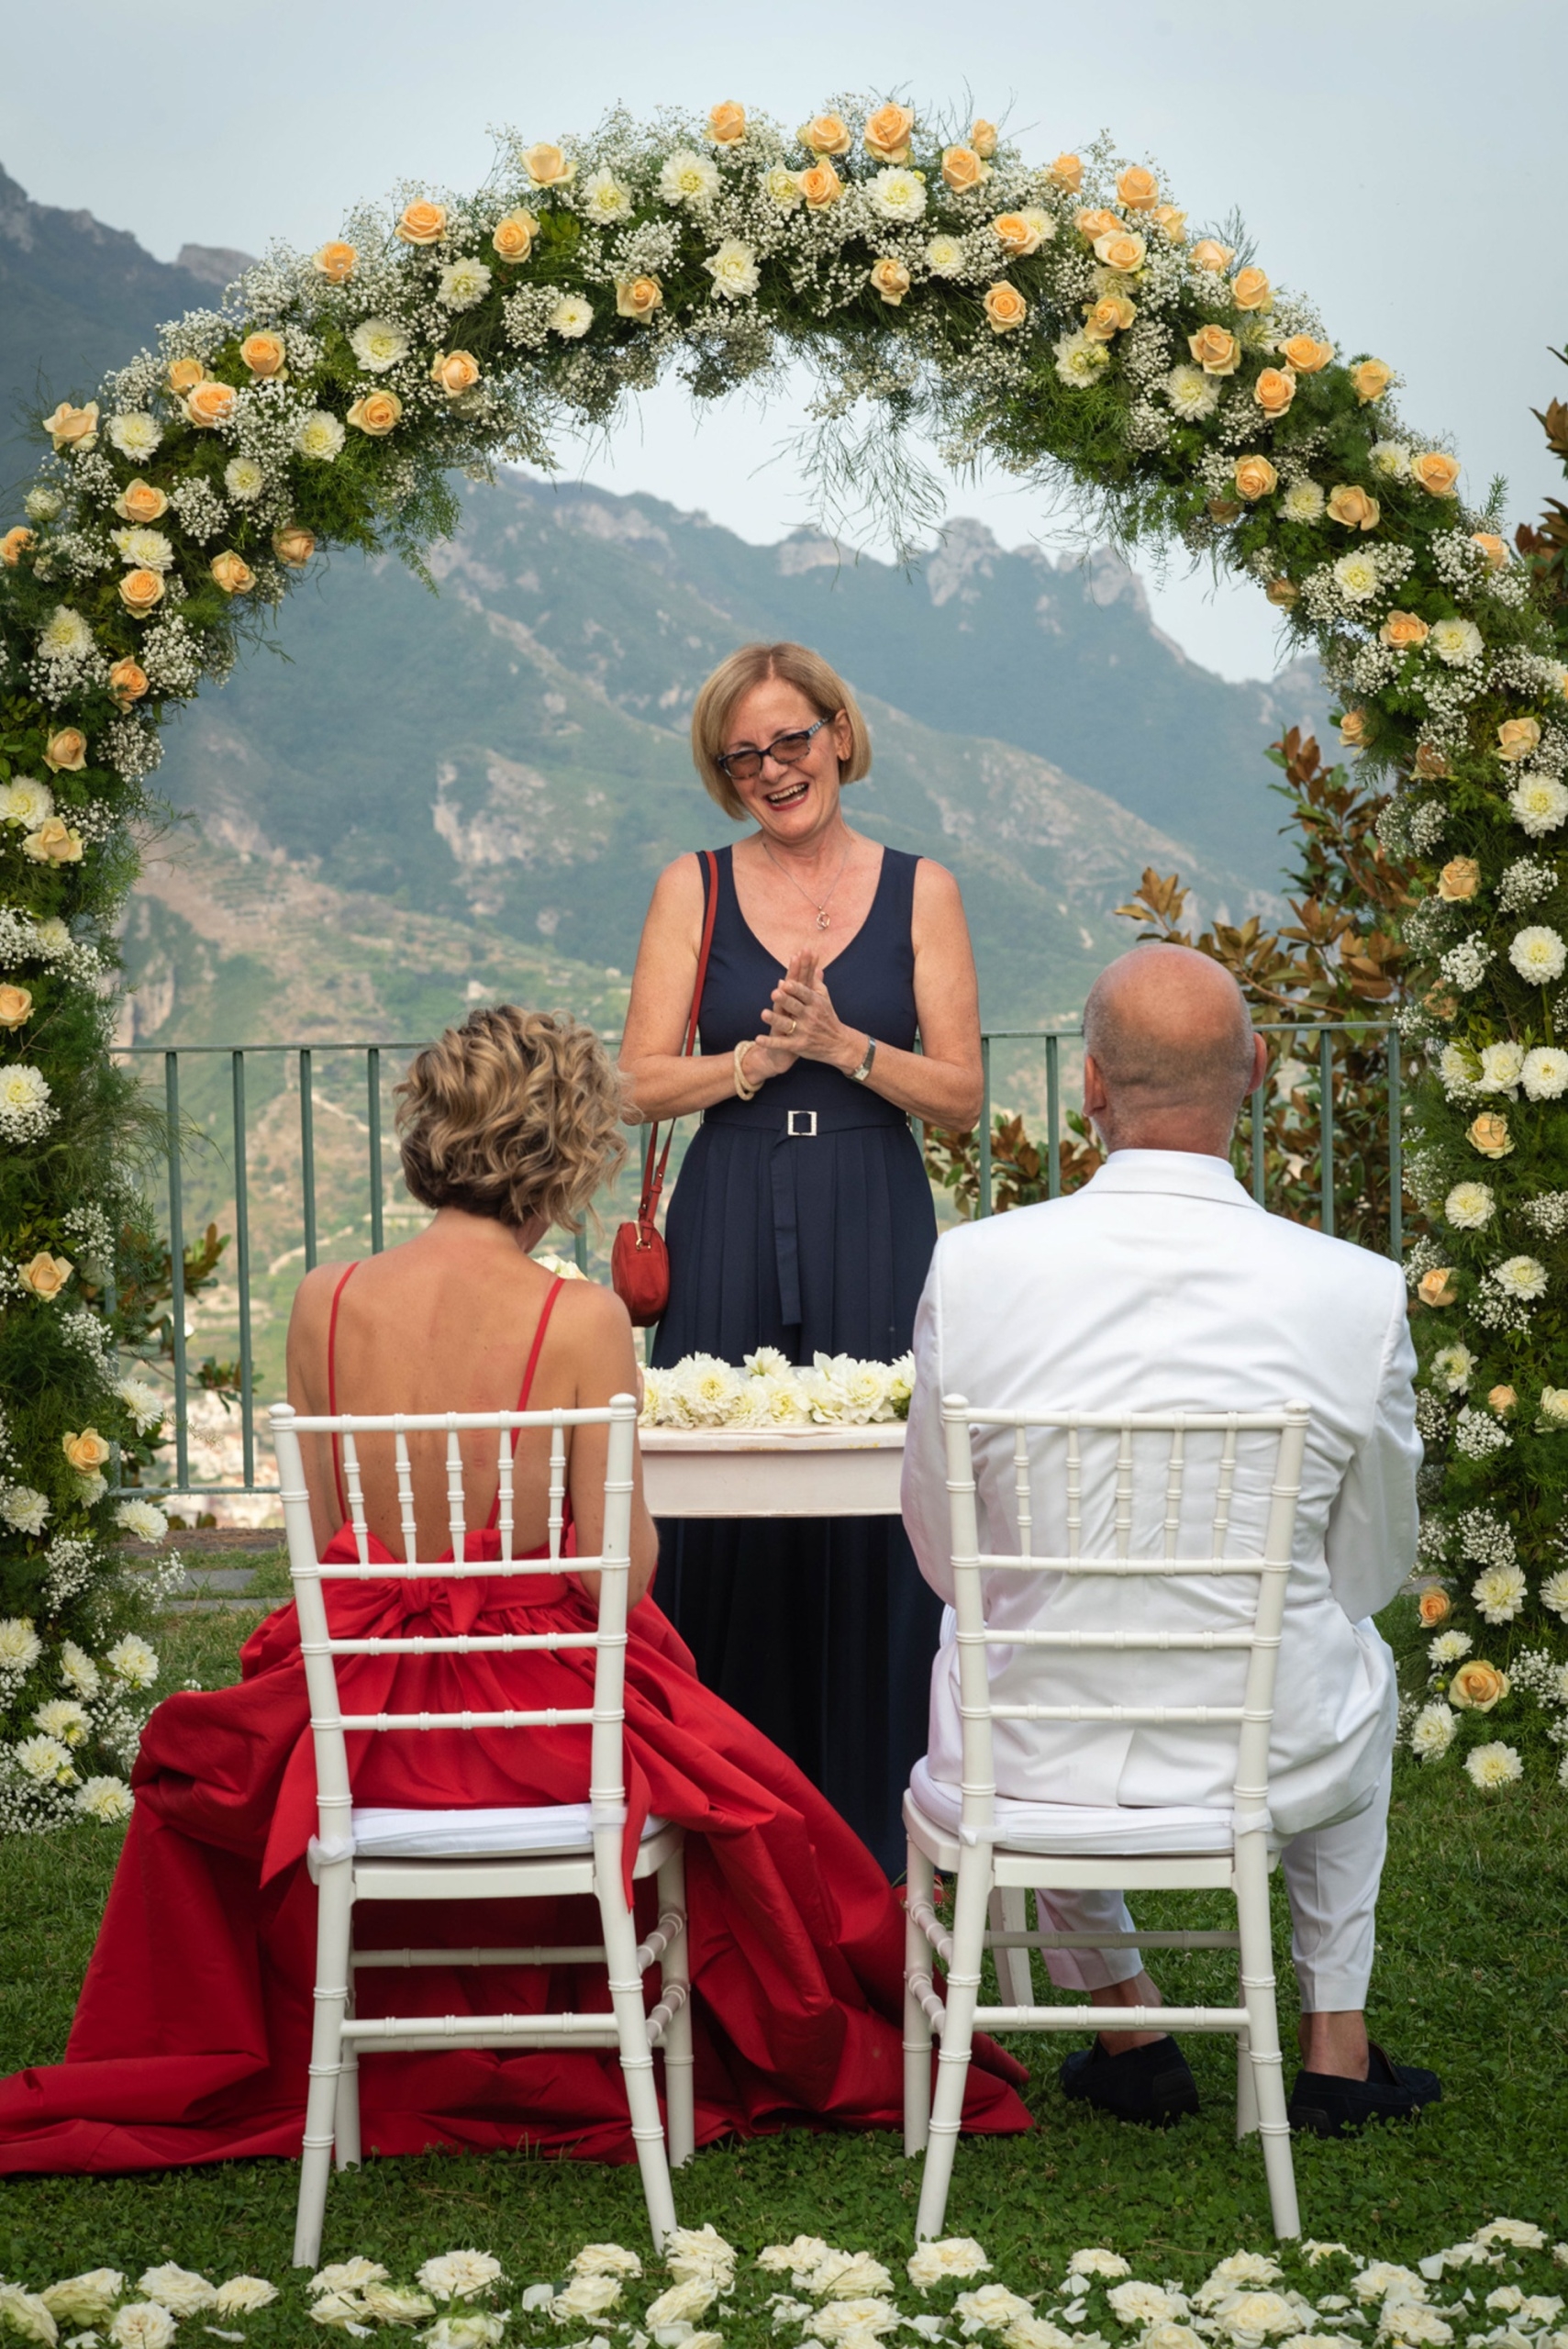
(1472, 1977)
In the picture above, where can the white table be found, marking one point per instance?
(787, 1472)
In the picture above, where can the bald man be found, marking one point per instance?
(1161, 1285)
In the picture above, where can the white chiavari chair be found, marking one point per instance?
(995, 1853)
(363, 1854)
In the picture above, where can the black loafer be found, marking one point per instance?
(1326, 2106)
(1151, 2084)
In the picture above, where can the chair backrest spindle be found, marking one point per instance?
(457, 1530)
(356, 1496)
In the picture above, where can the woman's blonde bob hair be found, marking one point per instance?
(753, 664)
(513, 1115)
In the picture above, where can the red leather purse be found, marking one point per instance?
(639, 1261)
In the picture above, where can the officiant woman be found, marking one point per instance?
(802, 1218)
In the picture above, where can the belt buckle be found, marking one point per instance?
(795, 1131)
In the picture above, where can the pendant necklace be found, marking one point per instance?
(822, 921)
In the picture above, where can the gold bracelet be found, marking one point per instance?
(747, 1092)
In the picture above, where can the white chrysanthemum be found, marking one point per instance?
(1492, 1765)
(52, 938)
(1357, 575)
(1469, 1207)
(92, 1486)
(1555, 1593)
(136, 435)
(1449, 1646)
(782, 188)
(45, 1759)
(1456, 642)
(1459, 1068)
(934, 2263)
(1139, 2303)
(1539, 954)
(143, 1520)
(989, 2308)
(143, 1402)
(1432, 1732)
(1545, 1073)
(24, 1090)
(768, 1362)
(708, 1389)
(243, 2294)
(107, 1799)
(1499, 1593)
(572, 317)
(1390, 458)
(1502, 1066)
(133, 1660)
(380, 344)
(1080, 361)
(63, 1716)
(179, 2289)
(83, 2300)
(243, 479)
(1521, 1275)
(604, 198)
(689, 178)
(733, 269)
(460, 2274)
(42, 504)
(147, 549)
(78, 1670)
(898, 194)
(65, 636)
(1303, 502)
(20, 1647)
(320, 434)
(1190, 393)
(26, 802)
(1452, 1366)
(462, 285)
(346, 2275)
(586, 2299)
(25, 1508)
(1538, 803)
(1097, 2261)
(681, 2303)
(944, 256)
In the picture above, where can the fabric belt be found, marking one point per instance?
(782, 1130)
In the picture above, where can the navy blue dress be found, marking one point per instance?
(819, 1631)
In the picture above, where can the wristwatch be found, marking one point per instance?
(860, 1074)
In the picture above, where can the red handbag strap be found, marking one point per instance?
(654, 1184)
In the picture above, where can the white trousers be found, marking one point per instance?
(1332, 1876)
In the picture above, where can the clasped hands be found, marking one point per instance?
(802, 1025)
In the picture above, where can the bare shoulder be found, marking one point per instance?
(678, 889)
(591, 1313)
(313, 1298)
(937, 894)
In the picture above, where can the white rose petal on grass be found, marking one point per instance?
(700, 2250)
(476, 2329)
(460, 2274)
(179, 2289)
(346, 2275)
(935, 2263)
(733, 269)
(1538, 803)
(586, 2299)
(1499, 1593)
(1408, 2322)
(1539, 954)
(850, 2275)
(1492, 1765)
(853, 2322)
(1242, 2268)
(572, 317)
(1456, 642)
(606, 2259)
(242, 2294)
(689, 178)
(1432, 1732)
(1519, 2234)
(320, 434)
(797, 2260)
(682, 2302)
(1097, 2261)
(85, 2299)
(392, 2304)
(339, 2312)
(1171, 2337)
(28, 2313)
(1469, 1207)
(990, 2309)
(136, 435)
(1248, 2318)
(896, 193)
(379, 344)
(142, 2324)
(1139, 2303)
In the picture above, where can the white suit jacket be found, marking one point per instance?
(1163, 1286)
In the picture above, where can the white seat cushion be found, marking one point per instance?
(1080, 1830)
(470, 1834)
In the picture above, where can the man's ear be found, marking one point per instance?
(1260, 1062)
(1095, 1095)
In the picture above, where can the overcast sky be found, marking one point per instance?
(1401, 165)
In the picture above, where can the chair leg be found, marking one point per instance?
(1246, 2089)
(1263, 2030)
(631, 2028)
(958, 2033)
(347, 2119)
(675, 1975)
(1009, 1915)
(918, 1885)
(334, 1920)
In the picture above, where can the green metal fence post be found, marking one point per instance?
(1326, 1123)
(373, 1108)
(985, 1204)
(176, 1265)
(243, 1274)
(1053, 1118)
(307, 1153)
(1396, 1154)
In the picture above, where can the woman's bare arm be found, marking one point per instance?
(661, 1081)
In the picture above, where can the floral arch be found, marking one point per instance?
(1064, 322)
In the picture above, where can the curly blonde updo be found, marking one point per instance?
(514, 1114)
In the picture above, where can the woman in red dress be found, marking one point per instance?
(192, 2036)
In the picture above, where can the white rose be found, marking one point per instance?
(933, 2263)
(460, 2274)
(1502, 1066)
(178, 2289)
(733, 269)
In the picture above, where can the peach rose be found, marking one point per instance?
(1434, 1607)
(1370, 379)
(1255, 478)
(141, 591)
(1436, 1287)
(963, 169)
(1005, 307)
(820, 186)
(1251, 290)
(1217, 350)
(891, 280)
(231, 572)
(727, 123)
(1489, 1134)
(887, 133)
(73, 427)
(1353, 728)
(1274, 390)
(1096, 221)
(1137, 189)
(513, 238)
(293, 545)
(1282, 592)
(1460, 879)
(1476, 1685)
(67, 751)
(637, 297)
(88, 1452)
(456, 372)
(1223, 510)
(127, 682)
(1122, 250)
(1066, 172)
(1172, 220)
(1502, 1399)
(46, 1275)
(16, 1005)
(827, 134)
(140, 502)
(1400, 630)
(1354, 508)
(376, 414)
(14, 544)
(1305, 354)
(1437, 472)
(983, 137)
(426, 223)
(1110, 316)
(1430, 764)
(54, 842)
(1206, 254)
(1494, 553)
(1517, 737)
(207, 405)
(263, 355)
(1017, 234)
(335, 261)
(184, 375)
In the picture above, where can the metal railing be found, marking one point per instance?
(229, 1116)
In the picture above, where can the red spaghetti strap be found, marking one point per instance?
(332, 1391)
(528, 1386)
